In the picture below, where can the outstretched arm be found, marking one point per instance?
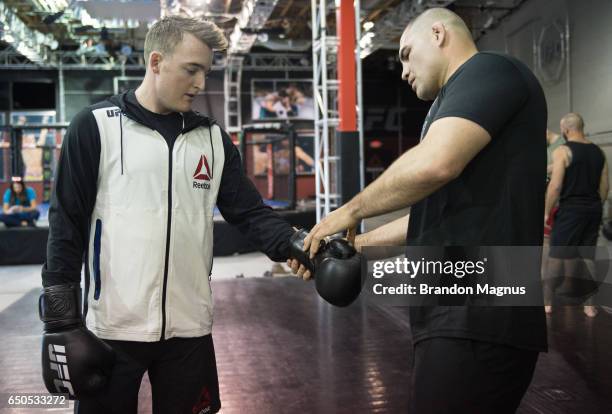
(390, 234)
(450, 144)
(241, 205)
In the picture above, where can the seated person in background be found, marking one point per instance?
(19, 205)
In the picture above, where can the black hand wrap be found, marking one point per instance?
(336, 268)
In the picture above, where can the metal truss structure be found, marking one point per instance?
(253, 17)
(277, 61)
(231, 87)
(10, 59)
(325, 85)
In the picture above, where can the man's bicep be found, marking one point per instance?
(453, 142)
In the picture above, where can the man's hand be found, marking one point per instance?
(338, 220)
(358, 242)
(299, 269)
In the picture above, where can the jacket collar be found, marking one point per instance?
(192, 119)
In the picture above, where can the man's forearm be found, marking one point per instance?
(552, 196)
(408, 180)
(390, 234)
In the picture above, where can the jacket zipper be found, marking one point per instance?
(169, 228)
(169, 222)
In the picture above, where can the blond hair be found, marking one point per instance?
(166, 33)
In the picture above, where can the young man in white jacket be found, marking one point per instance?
(138, 179)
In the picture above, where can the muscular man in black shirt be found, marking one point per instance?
(477, 178)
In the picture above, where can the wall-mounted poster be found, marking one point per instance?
(281, 99)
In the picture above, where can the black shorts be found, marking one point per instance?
(182, 372)
(575, 233)
(455, 375)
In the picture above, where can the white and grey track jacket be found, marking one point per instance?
(140, 215)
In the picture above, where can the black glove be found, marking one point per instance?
(336, 268)
(74, 360)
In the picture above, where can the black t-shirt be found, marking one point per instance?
(169, 125)
(498, 200)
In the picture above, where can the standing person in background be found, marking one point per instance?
(553, 141)
(579, 183)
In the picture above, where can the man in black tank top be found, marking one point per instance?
(579, 182)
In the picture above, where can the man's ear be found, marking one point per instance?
(438, 33)
(155, 59)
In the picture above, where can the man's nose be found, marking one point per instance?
(405, 72)
(200, 80)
